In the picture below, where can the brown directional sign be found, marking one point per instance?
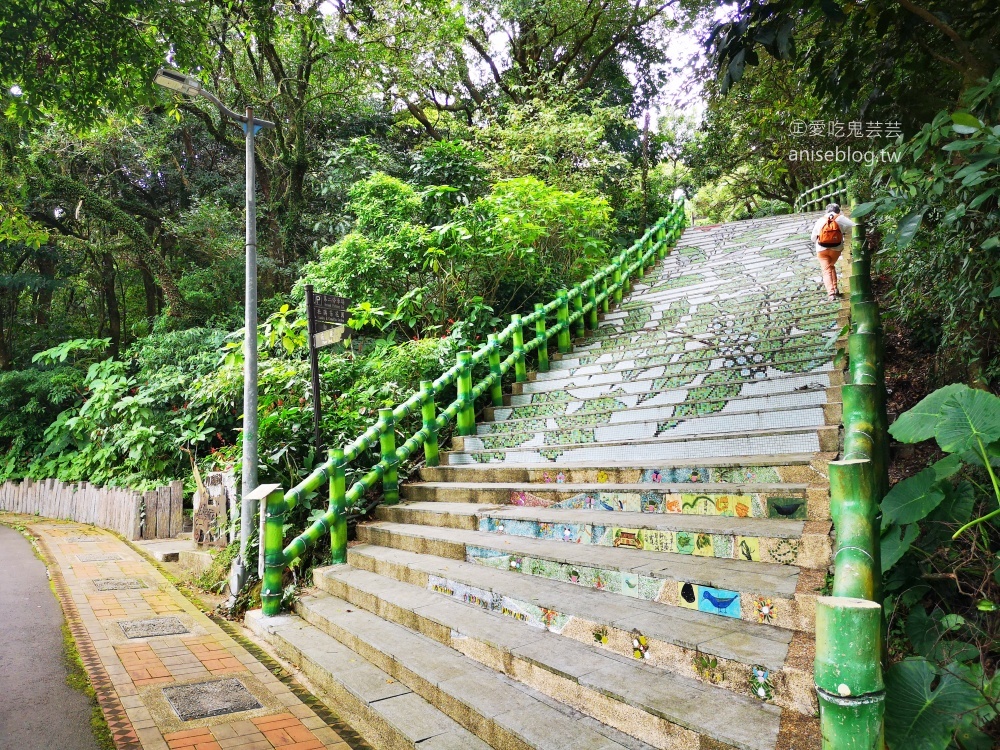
(330, 309)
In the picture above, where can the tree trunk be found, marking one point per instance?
(111, 302)
(152, 302)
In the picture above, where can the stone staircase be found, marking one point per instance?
(628, 553)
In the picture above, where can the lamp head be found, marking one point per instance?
(171, 79)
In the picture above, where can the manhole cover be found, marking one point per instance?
(98, 558)
(117, 584)
(204, 699)
(151, 628)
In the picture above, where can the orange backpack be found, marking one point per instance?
(830, 235)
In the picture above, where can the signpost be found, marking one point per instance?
(330, 312)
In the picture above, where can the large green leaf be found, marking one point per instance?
(907, 229)
(968, 418)
(920, 422)
(918, 717)
(913, 498)
(895, 543)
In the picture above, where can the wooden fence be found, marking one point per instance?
(157, 514)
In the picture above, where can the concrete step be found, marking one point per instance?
(384, 711)
(722, 587)
(663, 327)
(680, 403)
(788, 542)
(717, 368)
(680, 640)
(803, 468)
(652, 422)
(657, 387)
(743, 500)
(796, 291)
(651, 704)
(652, 449)
(742, 353)
(708, 371)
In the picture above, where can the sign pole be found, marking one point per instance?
(314, 365)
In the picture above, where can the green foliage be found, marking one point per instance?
(927, 706)
(944, 696)
(494, 255)
(938, 212)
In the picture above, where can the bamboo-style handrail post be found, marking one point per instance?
(606, 302)
(428, 416)
(592, 313)
(496, 390)
(520, 371)
(271, 501)
(466, 419)
(542, 350)
(562, 319)
(616, 280)
(579, 325)
(338, 507)
(387, 444)
(848, 673)
(854, 509)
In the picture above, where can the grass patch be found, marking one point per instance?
(77, 678)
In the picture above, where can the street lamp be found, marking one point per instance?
(190, 86)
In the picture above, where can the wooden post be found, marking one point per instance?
(163, 512)
(176, 507)
(149, 530)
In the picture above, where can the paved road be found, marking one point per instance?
(38, 710)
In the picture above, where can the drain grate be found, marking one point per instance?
(152, 628)
(203, 699)
(118, 584)
(98, 558)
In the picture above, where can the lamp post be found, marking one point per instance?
(190, 86)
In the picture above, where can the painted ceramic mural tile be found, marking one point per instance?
(655, 540)
(719, 601)
(626, 538)
(684, 542)
(687, 595)
(630, 584)
(748, 548)
(786, 507)
(722, 545)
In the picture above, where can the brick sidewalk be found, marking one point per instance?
(103, 584)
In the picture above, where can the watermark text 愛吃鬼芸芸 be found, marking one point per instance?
(843, 133)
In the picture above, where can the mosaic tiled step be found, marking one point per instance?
(660, 333)
(667, 447)
(670, 417)
(781, 501)
(497, 710)
(381, 709)
(657, 390)
(702, 371)
(777, 540)
(583, 430)
(803, 468)
(742, 360)
(738, 284)
(651, 704)
(677, 403)
(726, 588)
(750, 658)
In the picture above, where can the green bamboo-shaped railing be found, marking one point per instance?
(850, 626)
(815, 197)
(570, 314)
